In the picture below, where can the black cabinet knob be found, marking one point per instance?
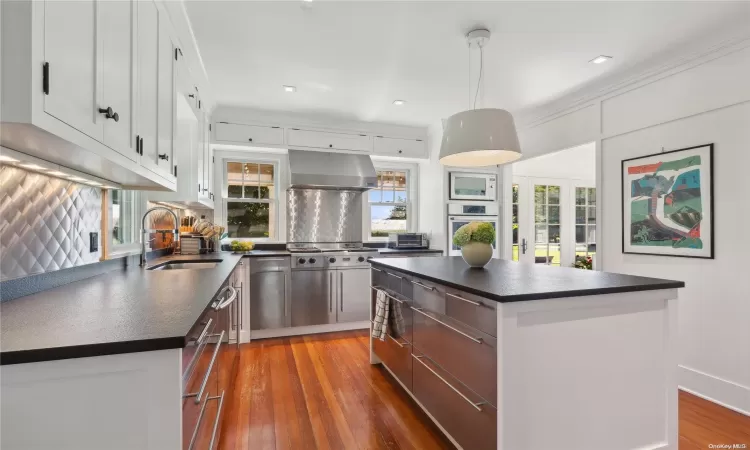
(400, 151)
(164, 156)
(330, 145)
(109, 113)
(251, 139)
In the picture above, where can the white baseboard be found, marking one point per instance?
(311, 329)
(714, 389)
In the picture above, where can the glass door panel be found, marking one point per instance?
(547, 242)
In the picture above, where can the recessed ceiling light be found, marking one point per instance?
(7, 158)
(399, 102)
(600, 59)
(290, 88)
(57, 173)
(32, 166)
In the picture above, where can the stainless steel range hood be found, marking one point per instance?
(323, 170)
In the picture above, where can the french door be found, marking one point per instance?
(553, 220)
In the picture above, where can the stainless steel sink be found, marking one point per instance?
(187, 265)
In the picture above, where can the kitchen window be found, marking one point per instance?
(251, 201)
(123, 217)
(389, 207)
(585, 205)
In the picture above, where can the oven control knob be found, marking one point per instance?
(301, 260)
(331, 260)
(361, 259)
(311, 261)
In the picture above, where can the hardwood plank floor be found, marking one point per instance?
(320, 392)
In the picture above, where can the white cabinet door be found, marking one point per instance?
(116, 40)
(70, 58)
(166, 107)
(326, 140)
(411, 148)
(249, 134)
(148, 76)
(200, 152)
(206, 157)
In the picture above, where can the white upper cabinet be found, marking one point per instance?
(325, 140)
(408, 148)
(148, 82)
(116, 22)
(70, 47)
(168, 53)
(89, 85)
(249, 134)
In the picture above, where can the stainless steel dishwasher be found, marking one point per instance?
(270, 290)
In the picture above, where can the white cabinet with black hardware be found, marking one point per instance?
(249, 134)
(296, 137)
(189, 145)
(89, 85)
(407, 148)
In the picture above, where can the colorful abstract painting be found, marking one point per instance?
(668, 203)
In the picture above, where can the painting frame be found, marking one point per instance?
(707, 199)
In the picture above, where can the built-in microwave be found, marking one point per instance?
(473, 186)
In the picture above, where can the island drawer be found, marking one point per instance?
(395, 281)
(460, 411)
(473, 310)
(395, 353)
(467, 354)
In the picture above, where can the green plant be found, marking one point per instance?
(584, 262)
(481, 232)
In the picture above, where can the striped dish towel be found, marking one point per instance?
(398, 327)
(380, 321)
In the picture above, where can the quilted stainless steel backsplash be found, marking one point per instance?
(45, 223)
(324, 216)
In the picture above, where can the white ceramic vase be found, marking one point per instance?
(476, 254)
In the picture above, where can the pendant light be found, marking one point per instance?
(479, 137)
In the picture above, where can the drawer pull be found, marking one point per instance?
(477, 406)
(464, 299)
(388, 295)
(396, 276)
(376, 270)
(198, 425)
(204, 332)
(216, 420)
(397, 342)
(478, 340)
(199, 394)
(424, 286)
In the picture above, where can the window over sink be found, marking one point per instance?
(251, 202)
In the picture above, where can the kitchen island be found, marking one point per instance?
(525, 357)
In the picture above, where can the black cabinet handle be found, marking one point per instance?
(191, 95)
(251, 139)
(141, 146)
(138, 144)
(330, 145)
(164, 156)
(109, 113)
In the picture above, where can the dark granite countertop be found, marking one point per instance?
(508, 281)
(406, 251)
(125, 310)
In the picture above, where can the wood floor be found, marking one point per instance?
(320, 392)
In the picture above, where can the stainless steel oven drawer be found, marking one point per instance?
(395, 353)
(476, 312)
(460, 411)
(468, 354)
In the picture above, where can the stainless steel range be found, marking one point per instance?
(330, 271)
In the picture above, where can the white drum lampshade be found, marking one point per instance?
(479, 137)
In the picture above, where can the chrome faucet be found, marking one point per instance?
(145, 231)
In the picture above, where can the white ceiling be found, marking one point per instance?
(352, 59)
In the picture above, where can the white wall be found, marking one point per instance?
(705, 99)
(577, 163)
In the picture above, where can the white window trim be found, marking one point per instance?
(116, 250)
(412, 203)
(275, 201)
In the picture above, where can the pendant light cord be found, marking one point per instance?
(479, 81)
